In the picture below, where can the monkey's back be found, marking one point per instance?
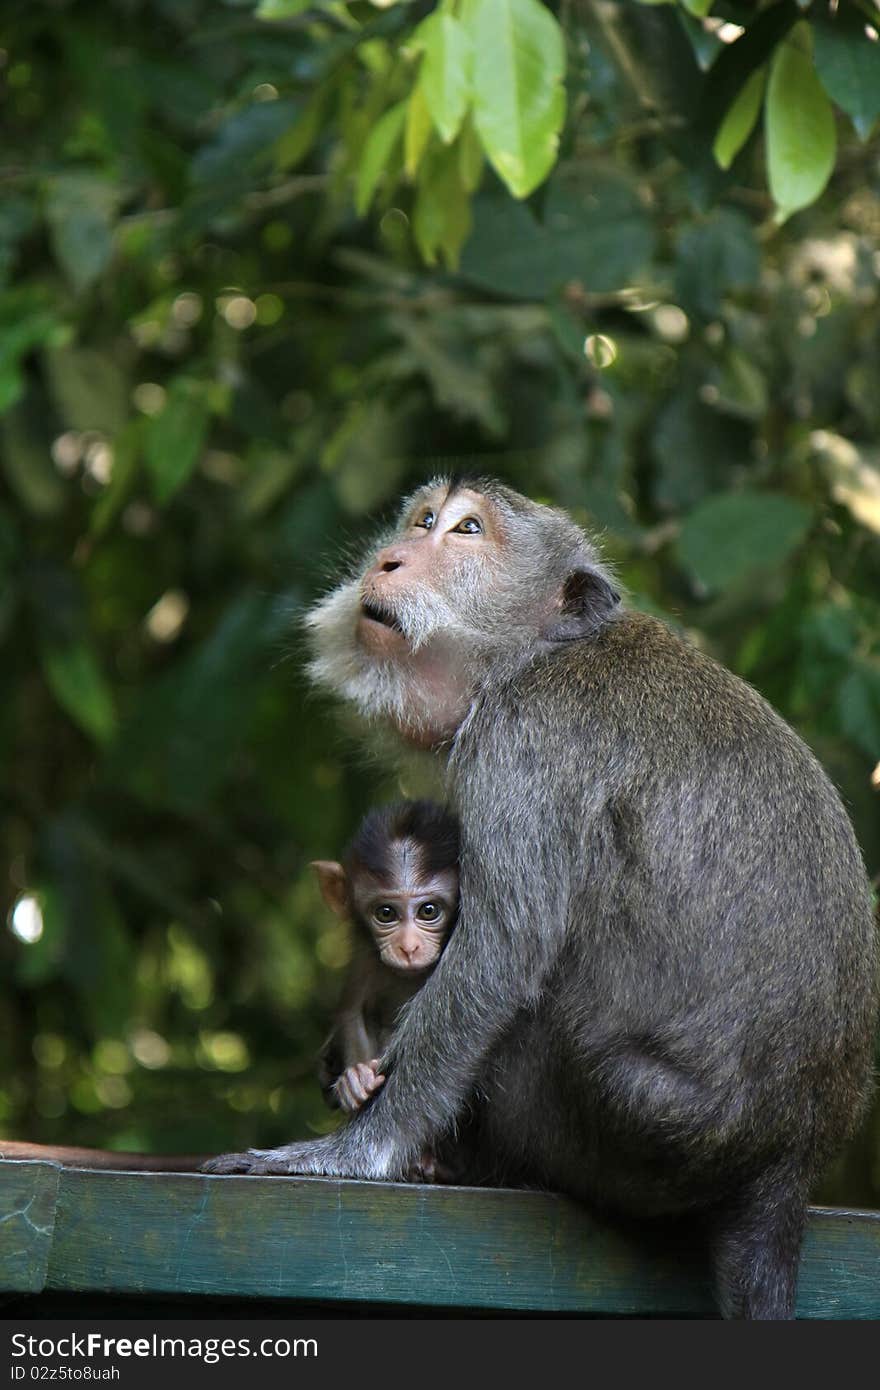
(730, 981)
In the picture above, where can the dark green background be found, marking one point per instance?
(215, 378)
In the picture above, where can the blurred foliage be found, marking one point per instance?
(215, 372)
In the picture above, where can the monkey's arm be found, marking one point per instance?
(514, 897)
(347, 1072)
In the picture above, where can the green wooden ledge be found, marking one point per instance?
(72, 1232)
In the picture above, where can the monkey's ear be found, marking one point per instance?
(587, 600)
(333, 885)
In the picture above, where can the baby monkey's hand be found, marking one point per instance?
(356, 1084)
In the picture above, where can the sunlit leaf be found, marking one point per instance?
(377, 154)
(471, 160)
(519, 100)
(731, 536)
(282, 9)
(441, 216)
(741, 118)
(445, 73)
(799, 124)
(417, 132)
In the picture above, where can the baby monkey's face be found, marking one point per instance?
(409, 920)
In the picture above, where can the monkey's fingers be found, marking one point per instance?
(348, 1101)
(352, 1088)
(370, 1077)
(229, 1163)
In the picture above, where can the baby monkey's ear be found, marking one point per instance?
(587, 600)
(333, 885)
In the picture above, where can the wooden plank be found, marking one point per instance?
(384, 1243)
(27, 1219)
(840, 1266)
(378, 1242)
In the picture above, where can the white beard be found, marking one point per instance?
(381, 689)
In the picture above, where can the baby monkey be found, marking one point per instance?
(398, 887)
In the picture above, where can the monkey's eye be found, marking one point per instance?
(429, 912)
(426, 520)
(385, 914)
(469, 526)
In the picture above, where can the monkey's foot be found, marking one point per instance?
(232, 1163)
(328, 1157)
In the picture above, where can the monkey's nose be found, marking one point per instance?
(387, 561)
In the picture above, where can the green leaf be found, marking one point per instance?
(74, 676)
(731, 536)
(282, 9)
(245, 146)
(595, 230)
(81, 210)
(799, 124)
(377, 153)
(740, 119)
(445, 74)
(699, 8)
(848, 64)
(126, 467)
(519, 101)
(417, 131)
(435, 349)
(713, 256)
(179, 741)
(23, 328)
(858, 708)
(696, 448)
(441, 216)
(89, 388)
(293, 146)
(364, 456)
(26, 462)
(471, 160)
(175, 439)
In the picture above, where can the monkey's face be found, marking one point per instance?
(469, 575)
(409, 920)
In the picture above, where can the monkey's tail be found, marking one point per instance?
(70, 1156)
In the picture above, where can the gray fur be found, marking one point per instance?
(662, 992)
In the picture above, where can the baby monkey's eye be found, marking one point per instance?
(427, 520)
(469, 526)
(385, 913)
(429, 912)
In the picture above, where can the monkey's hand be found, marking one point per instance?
(356, 1084)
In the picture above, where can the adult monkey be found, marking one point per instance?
(664, 976)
